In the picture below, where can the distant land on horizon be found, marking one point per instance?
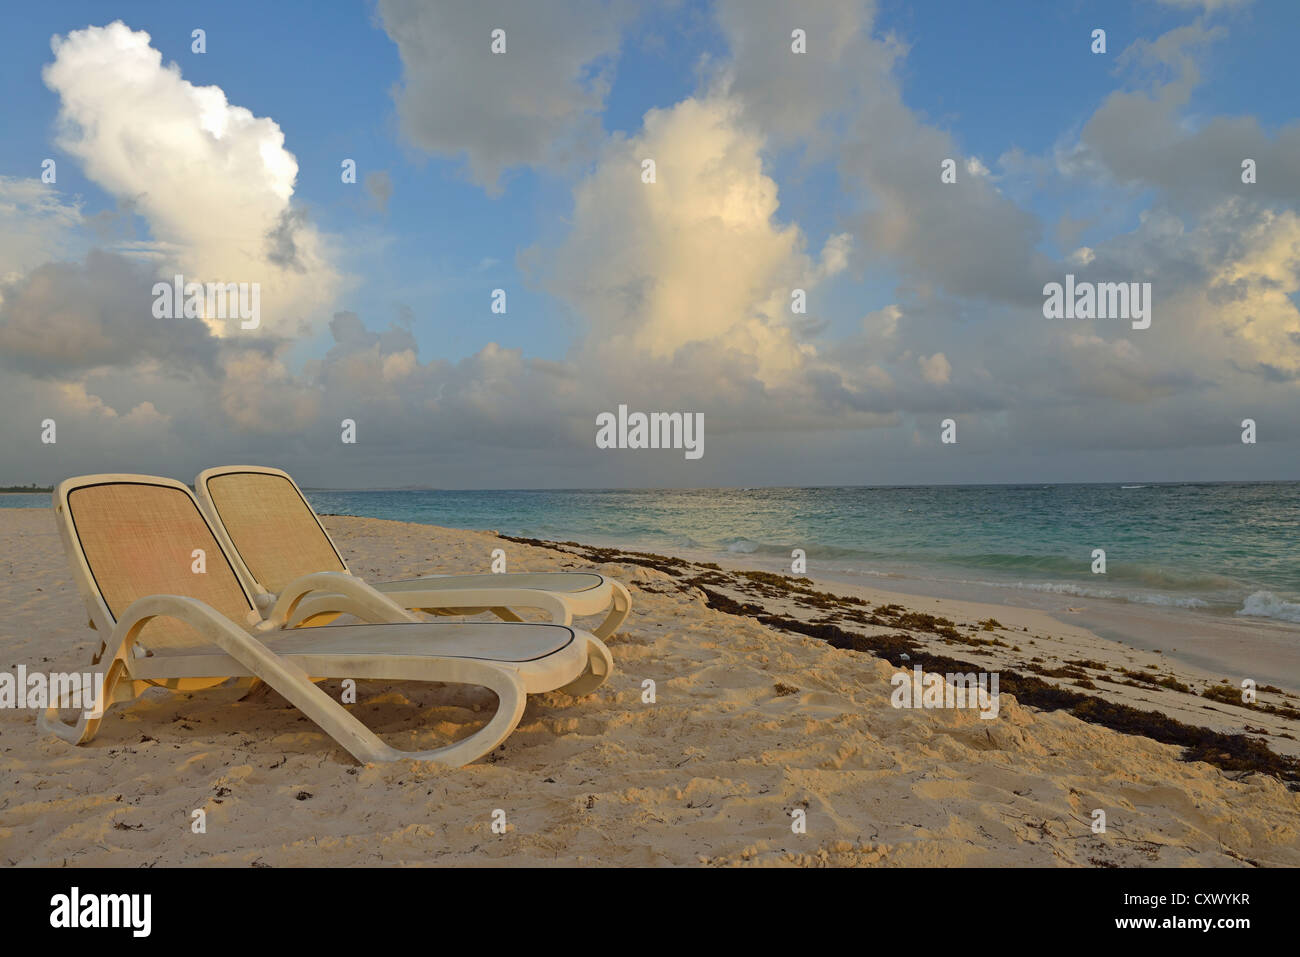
(1132, 483)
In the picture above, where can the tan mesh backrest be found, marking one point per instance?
(275, 532)
(139, 540)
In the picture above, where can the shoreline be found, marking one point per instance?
(1264, 648)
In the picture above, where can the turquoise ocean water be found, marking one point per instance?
(1229, 548)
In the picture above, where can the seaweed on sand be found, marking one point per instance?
(1229, 752)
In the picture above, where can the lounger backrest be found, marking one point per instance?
(268, 524)
(130, 536)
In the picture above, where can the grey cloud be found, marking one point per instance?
(532, 104)
(281, 242)
(116, 223)
(63, 318)
(965, 237)
(791, 95)
(1140, 138)
(379, 187)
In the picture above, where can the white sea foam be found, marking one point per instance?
(1057, 588)
(1264, 604)
(1145, 598)
(1080, 591)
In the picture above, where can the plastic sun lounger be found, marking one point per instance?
(274, 536)
(133, 543)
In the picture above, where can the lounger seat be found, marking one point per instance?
(545, 657)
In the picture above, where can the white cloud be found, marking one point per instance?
(698, 256)
(213, 181)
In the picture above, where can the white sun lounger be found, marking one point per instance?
(274, 537)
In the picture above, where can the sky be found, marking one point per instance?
(524, 171)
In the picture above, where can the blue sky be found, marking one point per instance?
(1016, 80)
(327, 81)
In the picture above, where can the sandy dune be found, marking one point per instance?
(749, 724)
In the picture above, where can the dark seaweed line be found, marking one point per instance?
(1228, 752)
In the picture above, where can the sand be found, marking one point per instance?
(750, 723)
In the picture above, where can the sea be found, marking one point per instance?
(1227, 548)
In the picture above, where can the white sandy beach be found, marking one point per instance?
(750, 722)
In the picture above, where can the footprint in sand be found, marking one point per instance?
(823, 702)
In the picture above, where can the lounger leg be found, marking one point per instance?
(358, 740)
(511, 699)
(600, 665)
(622, 605)
(87, 725)
(253, 688)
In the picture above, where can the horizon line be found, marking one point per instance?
(757, 488)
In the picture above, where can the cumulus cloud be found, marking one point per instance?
(1223, 255)
(707, 262)
(214, 182)
(691, 308)
(538, 102)
(1246, 310)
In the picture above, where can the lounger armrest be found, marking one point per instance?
(199, 615)
(355, 597)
